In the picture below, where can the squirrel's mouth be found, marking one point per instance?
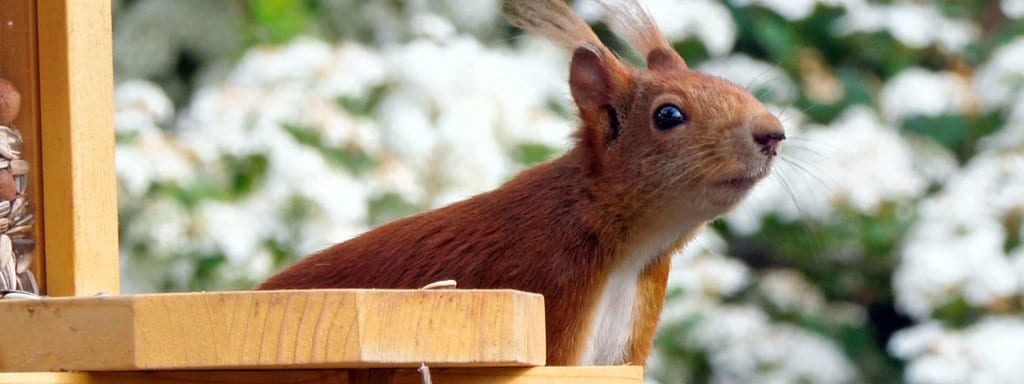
(742, 182)
(738, 183)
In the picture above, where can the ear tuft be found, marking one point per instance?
(630, 20)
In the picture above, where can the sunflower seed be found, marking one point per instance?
(20, 231)
(25, 220)
(10, 143)
(18, 207)
(6, 251)
(19, 167)
(24, 260)
(28, 283)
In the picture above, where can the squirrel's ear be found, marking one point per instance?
(595, 75)
(664, 59)
(590, 79)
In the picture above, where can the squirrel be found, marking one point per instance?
(659, 152)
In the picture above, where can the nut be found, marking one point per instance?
(10, 102)
(8, 186)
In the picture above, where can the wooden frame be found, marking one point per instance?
(71, 135)
(58, 53)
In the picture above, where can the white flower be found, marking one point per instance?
(1000, 80)
(989, 351)
(353, 71)
(937, 370)
(915, 25)
(140, 107)
(1013, 9)
(956, 246)
(700, 268)
(297, 64)
(461, 108)
(432, 26)
(238, 229)
(792, 10)
(917, 91)
(709, 274)
(474, 13)
(744, 347)
(393, 175)
(151, 159)
(788, 291)
(916, 340)
(149, 155)
(164, 225)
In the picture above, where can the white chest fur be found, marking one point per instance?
(612, 325)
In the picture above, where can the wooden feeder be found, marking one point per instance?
(58, 53)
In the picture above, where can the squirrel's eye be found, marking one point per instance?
(668, 116)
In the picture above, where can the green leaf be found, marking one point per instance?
(281, 20)
(529, 154)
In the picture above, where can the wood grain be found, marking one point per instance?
(274, 329)
(537, 375)
(76, 84)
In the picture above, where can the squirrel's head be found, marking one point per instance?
(665, 136)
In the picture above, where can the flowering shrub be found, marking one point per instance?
(885, 247)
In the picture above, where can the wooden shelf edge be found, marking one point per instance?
(536, 375)
(274, 330)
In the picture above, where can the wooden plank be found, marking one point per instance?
(19, 64)
(537, 375)
(76, 93)
(274, 329)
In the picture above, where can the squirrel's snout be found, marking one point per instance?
(769, 141)
(767, 134)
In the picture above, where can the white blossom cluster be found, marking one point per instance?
(743, 343)
(989, 351)
(451, 114)
(957, 248)
(960, 248)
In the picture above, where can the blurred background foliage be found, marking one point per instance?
(885, 248)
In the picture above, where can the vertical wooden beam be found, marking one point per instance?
(76, 82)
(19, 64)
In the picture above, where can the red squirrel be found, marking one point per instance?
(659, 152)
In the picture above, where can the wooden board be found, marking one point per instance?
(76, 86)
(274, 329)
(538, 375)
(19, 64)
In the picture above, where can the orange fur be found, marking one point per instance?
(561, 228)
(651, 299)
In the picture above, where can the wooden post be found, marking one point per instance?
(76, 80)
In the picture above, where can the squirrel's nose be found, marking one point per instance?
(769, 141)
